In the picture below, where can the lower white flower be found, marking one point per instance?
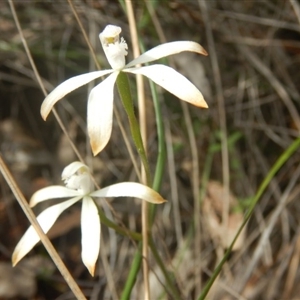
(79, 186)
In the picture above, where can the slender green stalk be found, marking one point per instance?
(123, 231)
(125, 95)
(159, 170)
(278, 164)
(134, 269)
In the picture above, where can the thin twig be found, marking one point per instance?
(143, 124)
(267, 232)
(221, 111)
(196, 192)
(296, 8)
(173, 183)
(275, 83)
(38, 78)
(293, 269)
(257, 20)
(22, 201)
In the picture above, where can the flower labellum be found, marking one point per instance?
(79, 186)
(101, 97)
(114, 48)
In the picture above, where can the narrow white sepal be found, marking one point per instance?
(52, 192)
(100, 113)
(68, 86)
(46, 219)
(90, 234)
(130, 189)
(173, 82)
(167, 49)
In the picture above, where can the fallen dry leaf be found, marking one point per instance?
(212, 212)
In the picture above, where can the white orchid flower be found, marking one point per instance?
(100, 102)
(79, 186)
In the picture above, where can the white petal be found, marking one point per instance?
(72, 168)
(100, 113)
(52, 192)
(67, 87)
(130, 189)
(165, 50)
(46, 219)
(90, 234)
(173, 82)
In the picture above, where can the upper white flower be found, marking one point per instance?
(100, 101)
(79, 186)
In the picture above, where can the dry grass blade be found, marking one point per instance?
(278, 87)
(268, 230)
(143, 130)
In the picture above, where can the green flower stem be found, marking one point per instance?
(138, 258)
(134, 269)
(278, 164)
(123, 231)
(156, 186)
(125, 95)
(136, 266)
